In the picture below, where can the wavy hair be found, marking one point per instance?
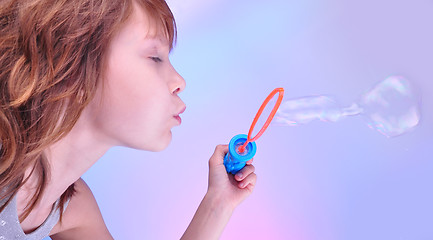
(51, 59)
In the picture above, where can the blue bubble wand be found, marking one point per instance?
(242, 147)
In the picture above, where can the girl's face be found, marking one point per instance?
(137, 105)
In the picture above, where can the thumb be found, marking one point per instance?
(218, 156)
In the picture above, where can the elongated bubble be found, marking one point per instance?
(306, 109)
(391, 107)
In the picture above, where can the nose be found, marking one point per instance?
(178, 84)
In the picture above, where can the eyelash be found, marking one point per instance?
(156, 59)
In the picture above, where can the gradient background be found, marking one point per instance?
(315, 182)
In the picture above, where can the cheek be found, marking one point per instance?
(146, 127)
(136, 113)
(128, 86)
(137, 108)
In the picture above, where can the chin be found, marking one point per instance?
(158, 148)
(158, 145)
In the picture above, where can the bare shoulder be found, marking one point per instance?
(82, 218)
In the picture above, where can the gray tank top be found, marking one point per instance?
(10, 227)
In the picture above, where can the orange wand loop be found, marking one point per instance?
(242, 147)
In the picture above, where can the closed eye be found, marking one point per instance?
(156, 59)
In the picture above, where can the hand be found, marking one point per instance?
(229, 189)
(225, 192)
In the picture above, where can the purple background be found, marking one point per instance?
(319, 181)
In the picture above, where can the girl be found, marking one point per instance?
(77, 78)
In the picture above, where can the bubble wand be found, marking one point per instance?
(242, 147)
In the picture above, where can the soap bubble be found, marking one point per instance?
(391, 107)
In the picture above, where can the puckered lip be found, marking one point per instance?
(181, 111)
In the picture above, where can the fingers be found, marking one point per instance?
(244, 172)
(246, 176)
(219, 154)
(249, 162)
(248, 182)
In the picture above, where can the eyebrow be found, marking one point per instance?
(156, 42)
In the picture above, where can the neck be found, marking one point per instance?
(69, 159)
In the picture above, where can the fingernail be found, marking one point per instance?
(239, 175)
(242, 185)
